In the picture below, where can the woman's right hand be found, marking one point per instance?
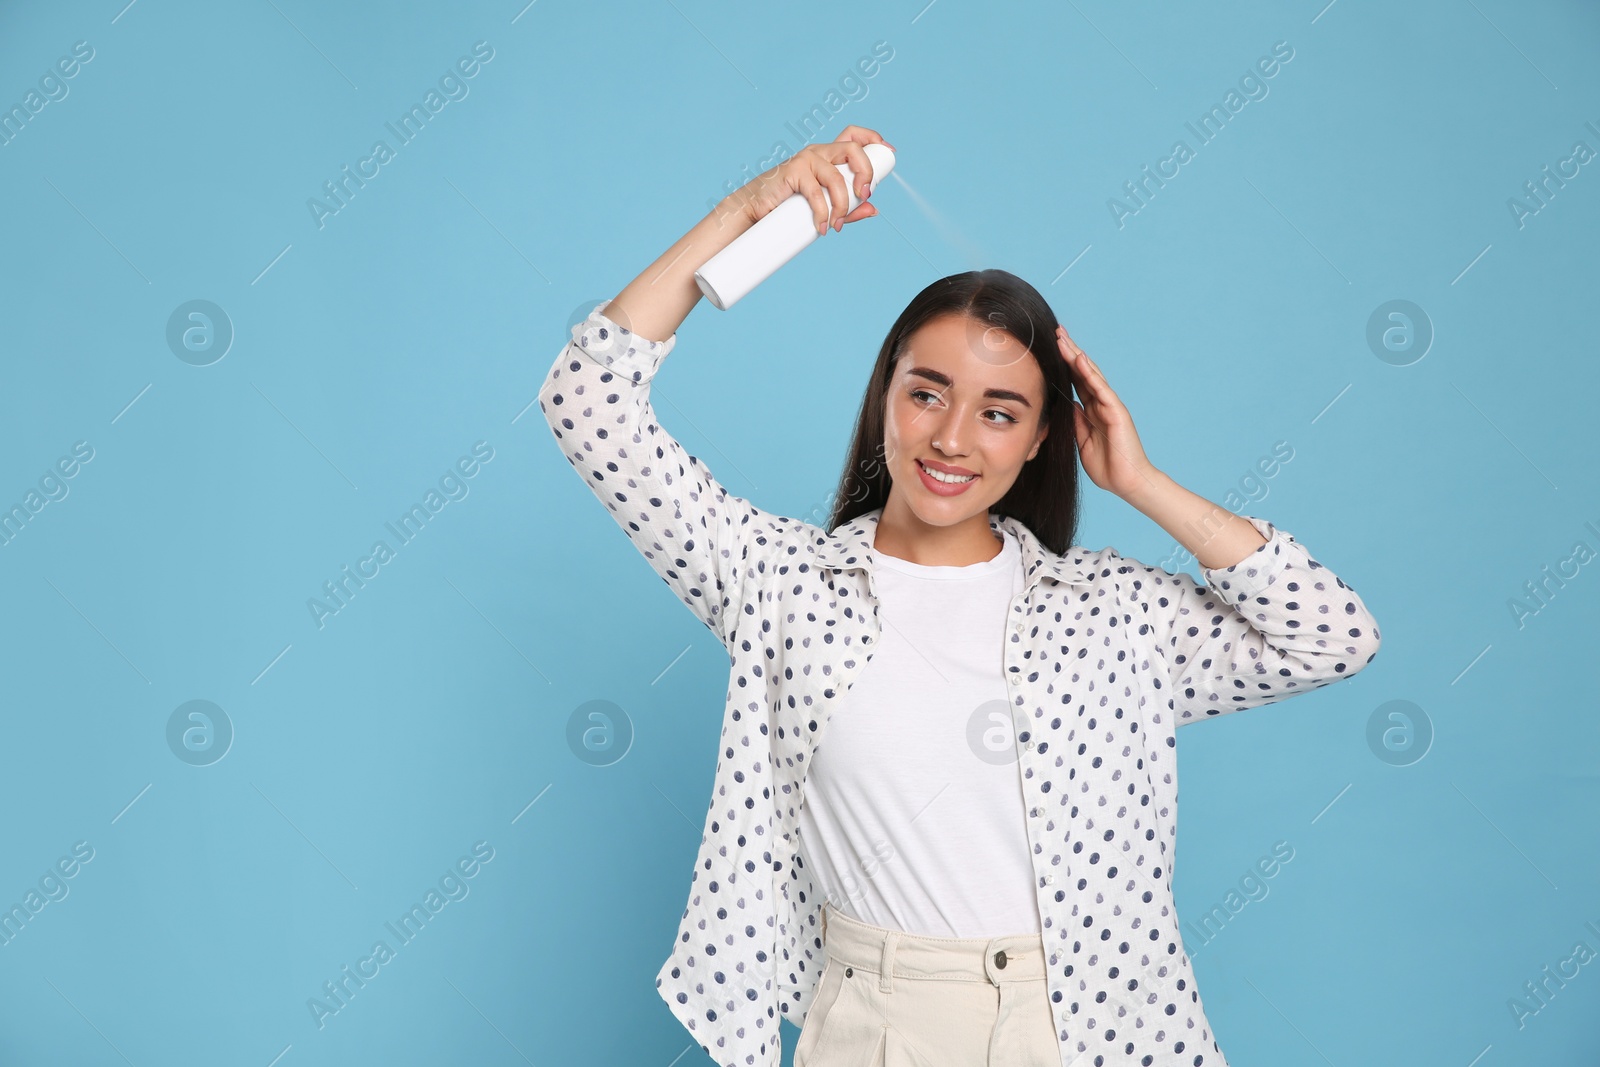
(811, 170)
(655, 303)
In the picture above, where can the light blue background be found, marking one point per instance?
(1230, 313)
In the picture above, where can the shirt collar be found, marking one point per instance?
(851, 545)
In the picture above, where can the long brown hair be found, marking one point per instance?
(1044, 497)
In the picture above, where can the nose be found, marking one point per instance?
(951, 432)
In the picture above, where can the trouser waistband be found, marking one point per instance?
(893, 954)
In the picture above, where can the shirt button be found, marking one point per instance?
(1049, 879)
(1028, 745)
(1016, 679)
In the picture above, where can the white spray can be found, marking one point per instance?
(777, 237)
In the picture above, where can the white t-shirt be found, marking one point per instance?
(913, 815)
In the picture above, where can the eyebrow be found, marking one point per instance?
(945, 380)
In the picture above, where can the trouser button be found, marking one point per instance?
(848, 971)
(1000, 959)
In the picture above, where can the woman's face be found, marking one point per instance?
(968, 397)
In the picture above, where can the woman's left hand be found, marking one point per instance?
(1108, 445)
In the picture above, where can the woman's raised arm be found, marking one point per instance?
(596, 398)
(656, 302)
(1274, 624)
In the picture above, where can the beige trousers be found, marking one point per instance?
(892, 999)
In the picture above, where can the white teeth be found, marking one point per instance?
(949, 479)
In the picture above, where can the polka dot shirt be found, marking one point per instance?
(1104, 658)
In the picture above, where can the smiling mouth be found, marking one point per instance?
(946, 479)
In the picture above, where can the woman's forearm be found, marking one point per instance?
(655, 303)
(1212, 534)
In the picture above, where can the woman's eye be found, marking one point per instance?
(917, 394)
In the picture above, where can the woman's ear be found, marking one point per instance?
(1044, 431)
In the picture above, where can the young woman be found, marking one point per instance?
(944, 818)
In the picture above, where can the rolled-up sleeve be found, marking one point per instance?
(1272, 625)
(693, 532)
